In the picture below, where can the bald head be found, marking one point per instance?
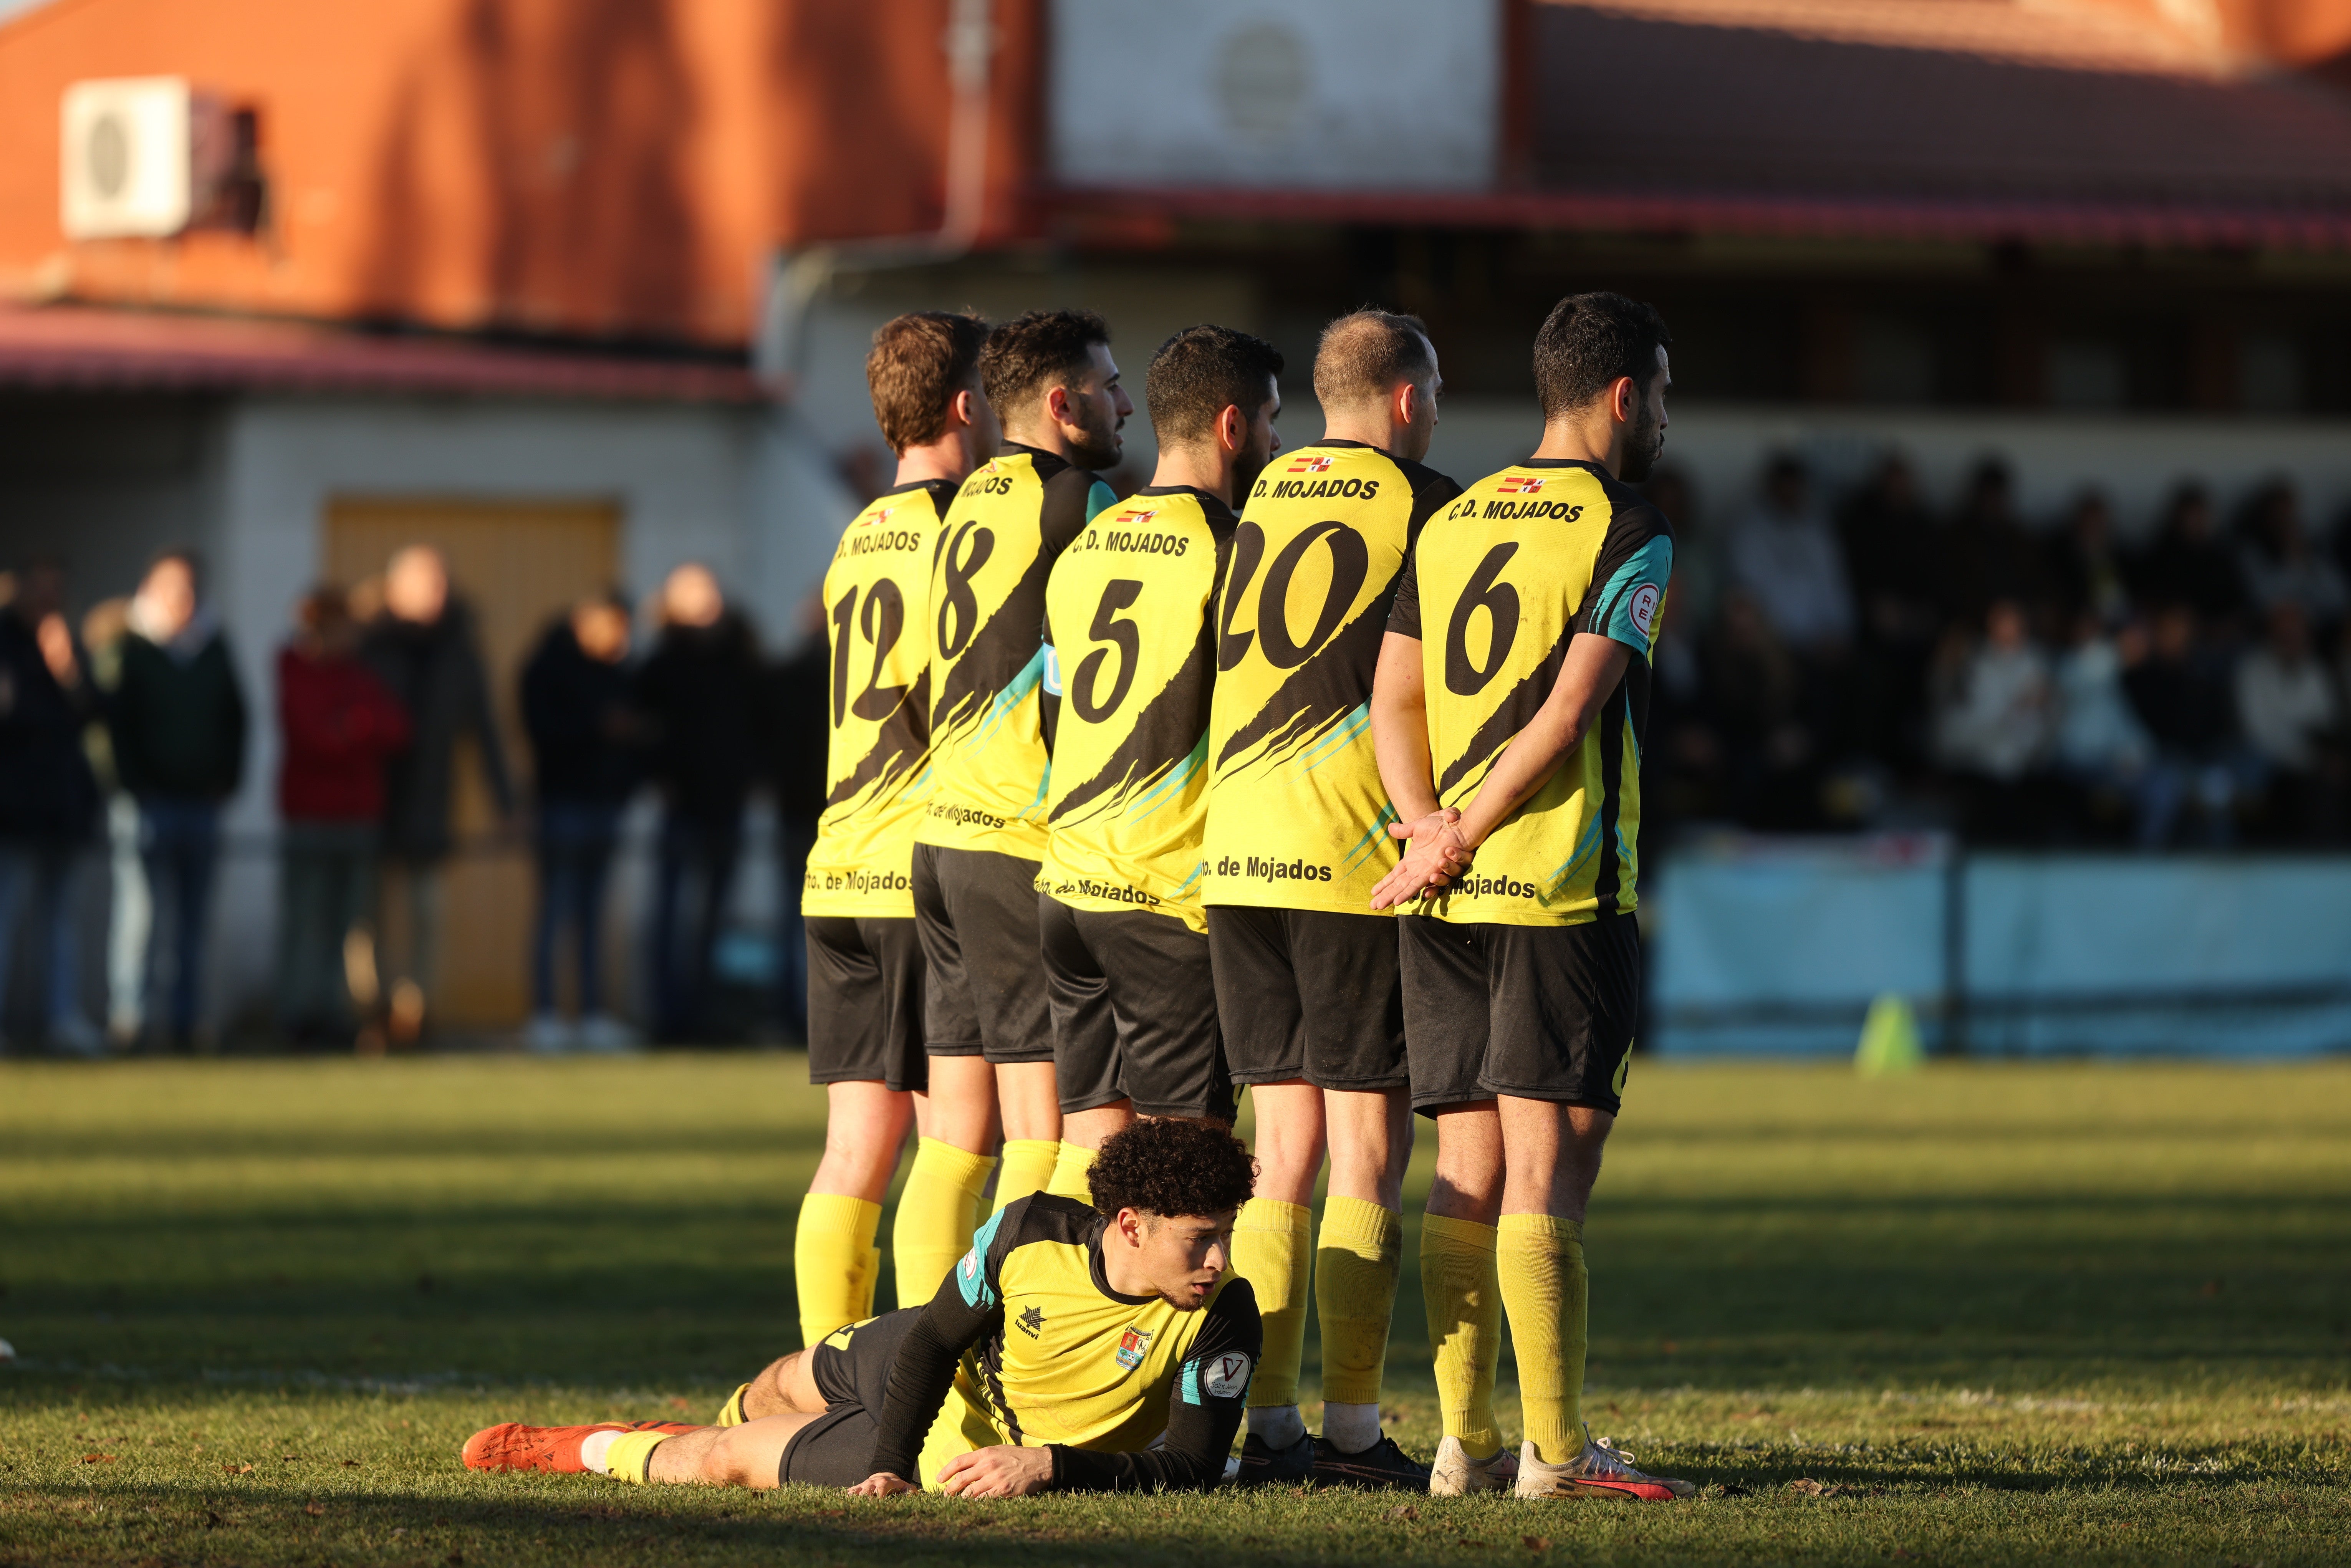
(1375, 377)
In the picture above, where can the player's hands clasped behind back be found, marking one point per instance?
(1001, 1471)
(1435, 856)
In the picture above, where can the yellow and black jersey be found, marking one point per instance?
(1498, 584)
(877, 596)
(1130, 665)
(1008, 523)
(1027, 1343)
(1297, 815)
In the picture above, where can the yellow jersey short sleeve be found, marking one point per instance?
(1130, 661)
(1499, 583)
(1297, 814)
(878, 707)
(1009, 522)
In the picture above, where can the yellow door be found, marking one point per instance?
(519, 564)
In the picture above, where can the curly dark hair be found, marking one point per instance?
(1201, 371)
(1167, 1167)
(1031, 355)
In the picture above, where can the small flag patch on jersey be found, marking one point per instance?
(1519, 485)
(870, 519)
(1310, 464)
(1132, 1347)
(1138, 516)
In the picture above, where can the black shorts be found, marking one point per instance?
(984, 993)
(1311, 994)
(1134, 1012)
(1540, 1012)
(865, 1002)
(852, 1367)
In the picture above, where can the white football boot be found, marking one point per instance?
(1456, 1474)
(1603, 1470)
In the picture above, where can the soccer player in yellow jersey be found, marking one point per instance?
(865, 965)
(1093, 1346)
(1296, 841)
(1051, 378)
(1512, 688)
(1130, 667)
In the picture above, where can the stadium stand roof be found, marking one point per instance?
(74, 348)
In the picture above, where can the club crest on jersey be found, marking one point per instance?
(1310, 464)
(1519, 485)
(1133, 1346)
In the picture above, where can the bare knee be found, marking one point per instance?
(731, 1461)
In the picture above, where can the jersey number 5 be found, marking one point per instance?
(1463, 676)
(882, 622)
(1123, 637)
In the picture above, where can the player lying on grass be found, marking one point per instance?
(1074, 1348)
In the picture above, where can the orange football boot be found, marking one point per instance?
(511, 1446)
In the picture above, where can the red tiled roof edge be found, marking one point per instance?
(93, 348)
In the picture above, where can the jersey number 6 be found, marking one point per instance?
(1463, 677)
(1123, 635)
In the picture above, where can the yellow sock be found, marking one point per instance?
(1465, 1327)
(631, 1457)
(731, 1412)
(1069, 1169)
(1271, 1251)
(1028, 1167)
(937, 1211)
(1546, 1290)
(834, 1261)
(1355, 1262)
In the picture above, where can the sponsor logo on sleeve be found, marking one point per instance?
(1226, 1376)
(1645, 606)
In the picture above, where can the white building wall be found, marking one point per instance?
(746, 491)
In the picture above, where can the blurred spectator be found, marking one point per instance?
(1698, 551)
(699, 696)
(575, 706)
(2180, 691)
(2279, 564)
(1986, 554)
(339, 725)
(1781, 551)
(2102, 749)
(798, 726)
(1889, 542)
(130, 909)
(2086, 566)
(2293, 720)
(2188, 565)
(178, 723)
(1993, 713)
(1770, 754)
(424, 648)
(48, 801)
(1683, 768)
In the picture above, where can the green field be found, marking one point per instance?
(1988, 1314)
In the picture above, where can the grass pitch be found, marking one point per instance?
(1989, 1315)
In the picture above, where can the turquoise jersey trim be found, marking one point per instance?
(971, 1273)
(1652, 566)
(1099, 498)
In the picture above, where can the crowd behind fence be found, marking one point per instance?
(1872, 660)
(1865, 661)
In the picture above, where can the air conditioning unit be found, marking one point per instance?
(143, 156)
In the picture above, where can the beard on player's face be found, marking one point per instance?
(1097, 444)
(1644, 444)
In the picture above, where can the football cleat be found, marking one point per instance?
(1262, 1466)
(1456, 1474)
(511, 1446)
(1603, 1470)
(1382, 1464)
